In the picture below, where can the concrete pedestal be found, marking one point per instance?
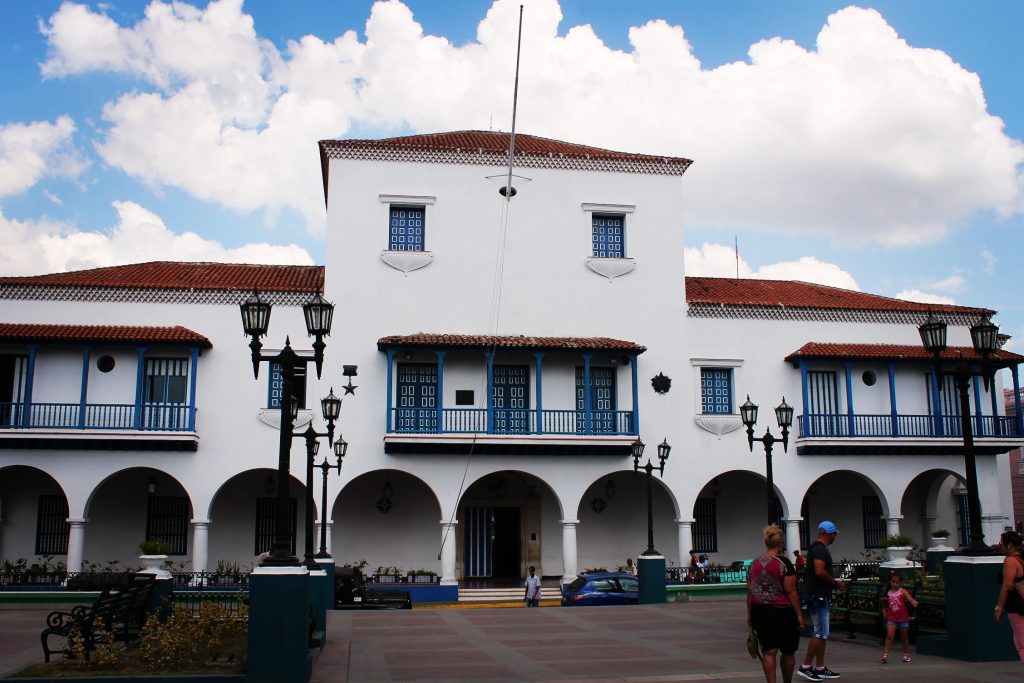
(971, 593)
(327, 564)
(935, 557)
(279, 626)
(319, 590)
(651, 573)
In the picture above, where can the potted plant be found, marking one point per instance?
(939, 537)
(897, 547)
(387, 575)
(153, 555)
(422, 576)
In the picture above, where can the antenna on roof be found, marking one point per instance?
(736, 247)
(507, 191)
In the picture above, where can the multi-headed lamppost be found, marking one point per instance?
(985, 339)
(784, 416)
(340, 448)
(318, 314)
(638, 451)
(331, 407)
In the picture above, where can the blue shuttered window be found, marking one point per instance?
(276, 387)
(608, 235)
(405, 228)
(602, 400)
(417, 398)
(511, 399)
(716, 391)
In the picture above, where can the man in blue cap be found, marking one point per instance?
(818, 585)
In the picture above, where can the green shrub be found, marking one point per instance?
(896, 540)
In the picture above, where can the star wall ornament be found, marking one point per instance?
(661, 383)
(350, 388)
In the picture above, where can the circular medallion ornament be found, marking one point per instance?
(661, 383)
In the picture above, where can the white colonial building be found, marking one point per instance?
(509, 353)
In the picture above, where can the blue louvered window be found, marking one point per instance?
(608, 235)
(405, 228)
(276, 386)
(716, 391)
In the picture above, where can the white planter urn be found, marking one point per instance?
(897, 554)
(939, 543)
(153, 564)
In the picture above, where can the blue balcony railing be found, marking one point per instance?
(164, 417)
(511, 421)
(909, 426)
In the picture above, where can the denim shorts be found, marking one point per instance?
(898, 624)
(818, 607)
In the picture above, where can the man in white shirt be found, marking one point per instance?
(532, 588)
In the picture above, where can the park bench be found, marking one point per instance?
(860, 606)
(114, 615)
(930, 613)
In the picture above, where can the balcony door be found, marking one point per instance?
(602, 400)
(417, 398)
(511, 399)
(12, 389)
(166, 394)
(823, 403)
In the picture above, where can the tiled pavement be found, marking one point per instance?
(696, 641)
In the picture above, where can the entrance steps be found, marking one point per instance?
(547, 593)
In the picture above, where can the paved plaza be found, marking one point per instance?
(696, 641)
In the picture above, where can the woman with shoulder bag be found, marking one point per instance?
(1010, 599)
(773, 607)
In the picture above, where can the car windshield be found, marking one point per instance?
(604, 585)
(577, 584)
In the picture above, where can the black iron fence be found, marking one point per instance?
(97, 581)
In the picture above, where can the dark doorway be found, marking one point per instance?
(506, 543)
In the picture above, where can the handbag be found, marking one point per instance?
(754, 645)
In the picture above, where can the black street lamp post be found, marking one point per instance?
(331, 408)
(318, 315)
(638, 451)
(340, 448)
(985, 339)
(784, 416)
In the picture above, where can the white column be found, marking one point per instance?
(200, 544)
(76, 543)
(316, 540)
(684, 532)
(792, 535)
(927, 525)
(448, 531)
(892, 525)
(993, 527)
(569, 549)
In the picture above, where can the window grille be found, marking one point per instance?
(716, 391)
(405, 228)
(52, 525)
(705, 526)
(167, 522)
(874, 525)
(608, 235)
(963, 518)
(266, 509)
(277, 386)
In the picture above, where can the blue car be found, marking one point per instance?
(602, 588)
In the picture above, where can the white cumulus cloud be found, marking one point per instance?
(719, 260)
(46, 246)
(861, 137)
(923, 297)
(31, 151)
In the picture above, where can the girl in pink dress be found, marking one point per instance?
(896, 616)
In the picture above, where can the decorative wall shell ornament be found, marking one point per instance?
(661, 383)
(718, 424)
(272, 418)
(610, 267)
(407, 261)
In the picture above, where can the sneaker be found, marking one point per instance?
(808, 674)
(825, 672)
(885, 658)
(906, 656)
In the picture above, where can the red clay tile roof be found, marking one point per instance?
(893, 352)
(119, 334)
(491, 143)
(177, 275)
(795, 294)
(508, 341)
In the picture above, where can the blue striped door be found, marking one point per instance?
(602, 400)
(511, 399)
(417, 398)
(478, 542)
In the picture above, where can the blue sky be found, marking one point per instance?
(874, 146)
